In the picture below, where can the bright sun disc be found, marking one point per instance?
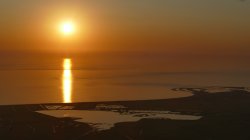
(67, 28)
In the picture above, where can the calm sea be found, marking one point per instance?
(30, 79)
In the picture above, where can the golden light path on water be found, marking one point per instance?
(67, 81)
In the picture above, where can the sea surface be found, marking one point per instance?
(29, 80)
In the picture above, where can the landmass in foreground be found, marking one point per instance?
(224, 110)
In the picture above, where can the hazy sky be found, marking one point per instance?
(127, 24)
(203, 30)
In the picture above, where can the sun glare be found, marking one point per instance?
(67, 28)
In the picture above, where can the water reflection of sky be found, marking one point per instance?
(102, 120)
(49, 83)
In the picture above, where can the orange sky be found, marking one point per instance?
(197, 29)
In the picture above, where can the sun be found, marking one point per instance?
(67, 27)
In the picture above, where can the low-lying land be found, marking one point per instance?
(225, 115)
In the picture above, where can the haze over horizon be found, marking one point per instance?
(124, 69)
(196, 34)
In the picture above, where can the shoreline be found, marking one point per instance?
(226, 112)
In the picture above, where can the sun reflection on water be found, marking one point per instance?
(67, 81)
